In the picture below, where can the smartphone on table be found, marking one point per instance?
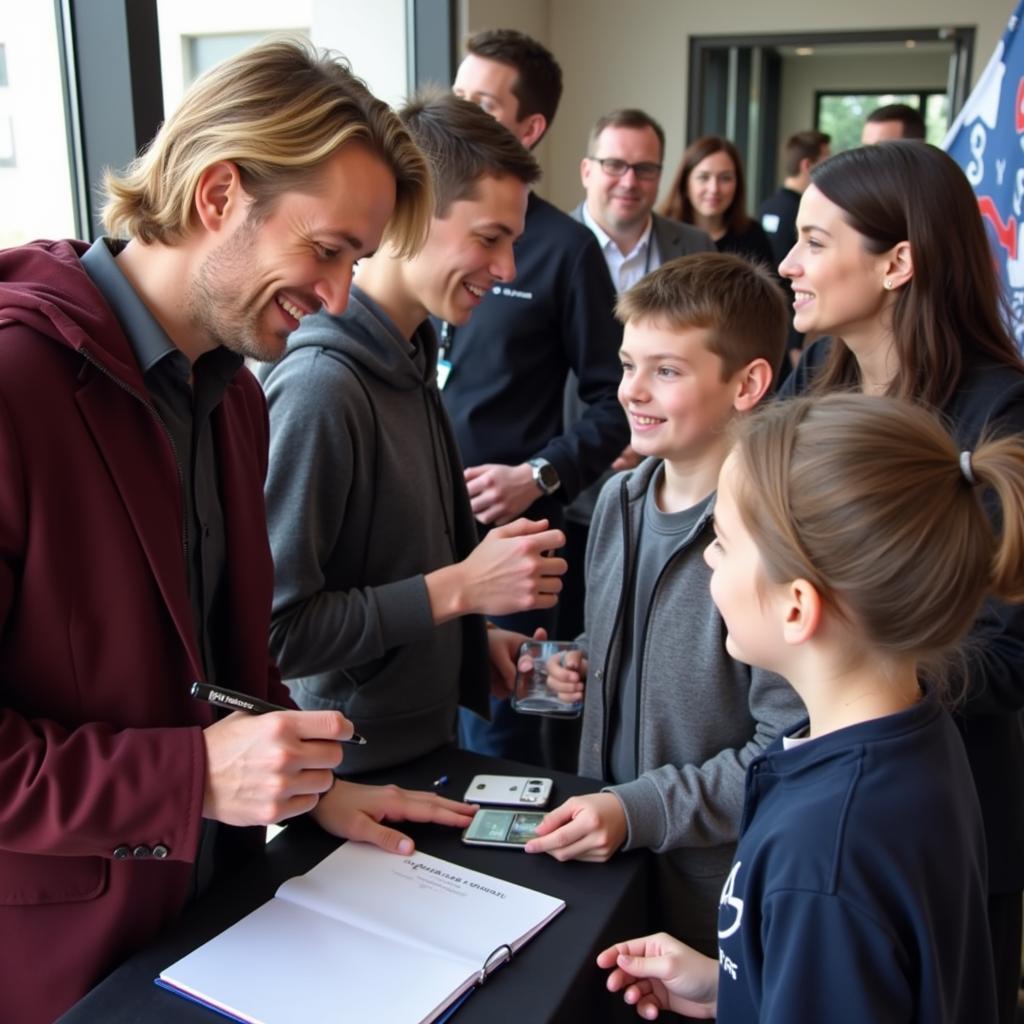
(493, 827)
(509, 791)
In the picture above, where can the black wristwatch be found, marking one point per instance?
(545, 476)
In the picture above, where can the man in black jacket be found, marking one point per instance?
(507, 369)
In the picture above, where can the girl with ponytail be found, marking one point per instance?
(852, 555)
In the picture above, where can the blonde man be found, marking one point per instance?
(133, 548)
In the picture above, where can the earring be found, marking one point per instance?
(888, 285)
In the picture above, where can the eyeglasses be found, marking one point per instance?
(616, 168)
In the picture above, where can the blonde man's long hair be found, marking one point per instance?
(277, 111)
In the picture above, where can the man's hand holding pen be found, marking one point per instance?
(263, 768)
(270, 763)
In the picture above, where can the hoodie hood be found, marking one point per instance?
(367, 336)
(44, 286)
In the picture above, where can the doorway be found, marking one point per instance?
(758, 90)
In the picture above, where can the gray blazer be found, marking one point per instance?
(672, 238)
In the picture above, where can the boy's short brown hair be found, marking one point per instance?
(738, 303)
(463, 144)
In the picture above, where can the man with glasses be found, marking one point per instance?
(621, 174)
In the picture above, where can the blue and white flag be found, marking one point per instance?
(987, 141)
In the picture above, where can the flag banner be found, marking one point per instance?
(987, 141)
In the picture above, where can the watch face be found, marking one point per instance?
(546, 475)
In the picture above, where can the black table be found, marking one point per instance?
(552, 980)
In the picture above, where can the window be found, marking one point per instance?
(203, 52)
(37, 198)
(842, 115)
(197, 34)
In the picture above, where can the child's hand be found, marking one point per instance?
(590, 828)
(659, 973)
(567, 675)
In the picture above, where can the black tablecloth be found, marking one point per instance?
(552, 979)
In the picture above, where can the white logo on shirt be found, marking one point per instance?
(727, 899)
(728, 965)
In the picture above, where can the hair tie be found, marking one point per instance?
(966, 468)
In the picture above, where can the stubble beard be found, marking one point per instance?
(216, 302)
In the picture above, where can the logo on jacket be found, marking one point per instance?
(733, 903)
(510, 293)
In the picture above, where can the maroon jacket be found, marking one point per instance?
(101, 752)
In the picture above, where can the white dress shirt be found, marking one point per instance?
(626, 268)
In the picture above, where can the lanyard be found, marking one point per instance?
(444, 340)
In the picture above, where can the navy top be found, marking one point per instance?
(751, 243)
(989, 398)
(858, 891)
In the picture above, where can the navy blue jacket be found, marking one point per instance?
(858, 892)
(991, 396)
(504, 394)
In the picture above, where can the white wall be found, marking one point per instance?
(636, 53)
(370, 35)
(178, 19)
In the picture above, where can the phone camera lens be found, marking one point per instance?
(481, 785)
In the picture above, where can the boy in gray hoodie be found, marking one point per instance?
(380, 585)
(670, 719)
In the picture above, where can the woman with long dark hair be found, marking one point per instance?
(709, 192)
(893, 265)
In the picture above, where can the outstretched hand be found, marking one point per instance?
(590, 828)
(658, 972)
(353, 810)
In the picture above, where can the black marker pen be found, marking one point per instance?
(235, 701)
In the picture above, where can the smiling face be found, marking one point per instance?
(711, 186)
(469, 250)
(622, 204)
(677, 404)
(838, 286)
(740, 589)
(250, 290)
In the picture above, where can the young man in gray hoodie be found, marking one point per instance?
(380, 584)
(670, 719)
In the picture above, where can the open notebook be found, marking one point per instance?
(364, 935)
